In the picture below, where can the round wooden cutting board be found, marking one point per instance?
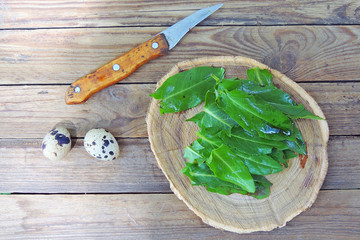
(294, 189)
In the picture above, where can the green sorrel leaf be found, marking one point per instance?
(229, 167)
(203, 176)
(259, 164)
(262, 187)
(277, 98)
(194, 153)
(250, 143)
(261, 76)
(186, 89)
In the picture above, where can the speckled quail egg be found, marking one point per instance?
(56, 143)
(101, 144)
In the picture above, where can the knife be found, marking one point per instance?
(126, 64)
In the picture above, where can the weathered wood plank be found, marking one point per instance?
(344, 165)
(340, 104)
(31, 111)
(95, 13)
(335, 215)
(303, 53)
(23, 169)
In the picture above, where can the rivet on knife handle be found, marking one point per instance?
(116, 70)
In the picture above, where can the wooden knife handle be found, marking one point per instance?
(116, 70)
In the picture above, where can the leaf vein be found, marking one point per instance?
(216, 117)
(232, 170)
(184, 90)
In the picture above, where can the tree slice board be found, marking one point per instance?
(294, 189)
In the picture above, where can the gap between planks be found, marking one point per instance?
(166, 26)
(149, 83)
(78, 13)
(136, 193)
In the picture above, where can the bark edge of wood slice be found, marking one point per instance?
(294, 189)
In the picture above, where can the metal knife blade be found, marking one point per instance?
(177, 31)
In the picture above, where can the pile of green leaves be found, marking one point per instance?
(246, 128)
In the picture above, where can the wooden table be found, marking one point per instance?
(46, 45)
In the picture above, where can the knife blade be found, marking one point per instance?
(121, 67)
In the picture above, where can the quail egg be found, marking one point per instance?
(56, 143)
(101, 144)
